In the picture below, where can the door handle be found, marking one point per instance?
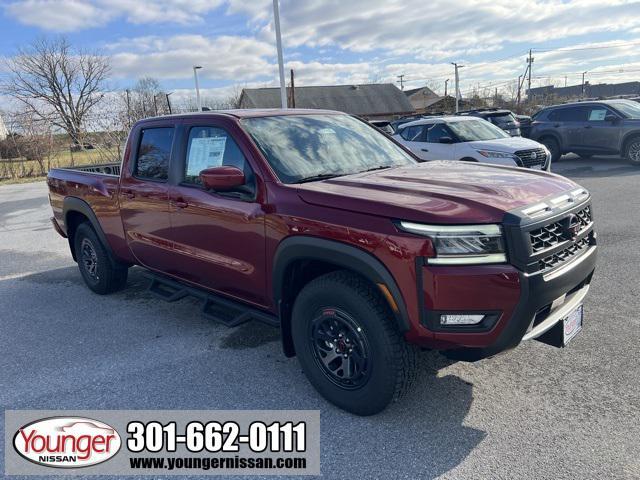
(424, 149)
(179, 203)
(128, 194)
(556, 125)
(587, 126)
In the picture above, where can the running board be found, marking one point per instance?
(215, 307)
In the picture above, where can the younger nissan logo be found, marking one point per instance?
(67, 442)
(571, 227)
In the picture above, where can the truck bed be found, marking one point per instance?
(102, 168)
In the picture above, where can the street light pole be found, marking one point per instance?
(276, 21)
(195, 76)
(457, 81)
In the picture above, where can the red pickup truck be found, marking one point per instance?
(318, 223)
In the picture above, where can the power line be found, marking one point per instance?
(598, 47)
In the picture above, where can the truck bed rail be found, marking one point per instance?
(103, 168)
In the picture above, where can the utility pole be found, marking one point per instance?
(518, 100)
(583, 74)
(168, 102)
(276, 21)
(530, 62)
(445, 87)
(457, 82)
(293, 91)
(401, 81)
(195, 76)
(155, 104)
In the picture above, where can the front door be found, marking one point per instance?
(144, 197)
(219, 237)
(601, 134)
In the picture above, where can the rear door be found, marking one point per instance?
(569, 123)
(218, 237)
(144, 196)
(413, 137)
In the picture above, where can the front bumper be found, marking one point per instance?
(529, 304)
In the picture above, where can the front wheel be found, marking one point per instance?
(100, 273)
(553, 146)
(348, 344)
(632, 151)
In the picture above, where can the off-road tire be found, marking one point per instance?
(393, 363)
(100, 272)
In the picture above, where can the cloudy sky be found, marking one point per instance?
(341, 41)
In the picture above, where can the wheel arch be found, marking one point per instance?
(626, 139)
(76, 211)
(299, 259)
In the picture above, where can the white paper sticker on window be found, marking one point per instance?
(597, 115)
(205, 153)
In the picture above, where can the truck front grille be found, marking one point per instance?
(532, 157)
(552, 234)
(559, 257)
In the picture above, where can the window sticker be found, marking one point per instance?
(205, 153)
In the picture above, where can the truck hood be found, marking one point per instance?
(440, 192)
(508, 145)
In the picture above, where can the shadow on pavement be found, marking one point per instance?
(594, 167)
(168, 356)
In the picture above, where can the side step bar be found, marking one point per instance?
(219, 309)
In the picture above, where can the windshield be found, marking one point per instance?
(300, 147)
(476, 130)
(628, 108)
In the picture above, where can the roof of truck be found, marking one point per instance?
(248, 113)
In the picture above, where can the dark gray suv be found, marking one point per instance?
(605, 127)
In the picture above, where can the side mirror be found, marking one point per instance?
(446, 140)
(611, 118)
(222, 179)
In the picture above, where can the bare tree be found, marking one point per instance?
(57, 83)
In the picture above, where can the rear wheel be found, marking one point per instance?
(348, 344)
(553, 146)
(632, 151)
(101, 273)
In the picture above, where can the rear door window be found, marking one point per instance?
(570, 114)
(413, 134)
(154, 153)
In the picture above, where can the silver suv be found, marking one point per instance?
(605, 127)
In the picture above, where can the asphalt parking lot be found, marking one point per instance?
(536, 412)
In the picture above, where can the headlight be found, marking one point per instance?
(462, 244)
(492, 154)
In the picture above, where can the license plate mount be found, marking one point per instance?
(565, 330)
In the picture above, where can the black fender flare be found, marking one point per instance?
(551, 134)
(628, 136)
(336, 253)
(75, 204)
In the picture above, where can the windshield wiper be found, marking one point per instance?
(321, 176)
(380, 167)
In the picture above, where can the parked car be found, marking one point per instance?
(604, 127)
(316, 222)
(525, 124)
(383, 125)
(470, 139)
(504, 119)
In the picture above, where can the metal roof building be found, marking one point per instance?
(372, 101)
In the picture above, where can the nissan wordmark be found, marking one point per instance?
(318, 223)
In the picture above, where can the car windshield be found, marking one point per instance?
(476, 130)
(307, 147)
(628, 108)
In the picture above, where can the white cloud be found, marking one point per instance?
(58, 15)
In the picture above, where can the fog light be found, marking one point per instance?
(459, 319)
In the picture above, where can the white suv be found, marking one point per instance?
(470, 139)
